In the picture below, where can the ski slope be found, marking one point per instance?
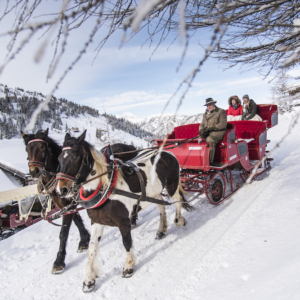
(246, 248)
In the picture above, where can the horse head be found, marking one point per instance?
(42, 153)
(76, 164)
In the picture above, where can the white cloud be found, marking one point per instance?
(121, 102)
(251, 80)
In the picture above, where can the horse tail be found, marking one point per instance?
(185, 204)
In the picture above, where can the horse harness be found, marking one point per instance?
(101, 195)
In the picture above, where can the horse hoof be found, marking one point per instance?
(180, 223)
(58, 269)
(88, 287)
(82, 247)
(127, 273)
(133, 226)
(160, 236)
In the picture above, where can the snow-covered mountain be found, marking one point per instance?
(161, 125)
(17, 106)
(19, 92)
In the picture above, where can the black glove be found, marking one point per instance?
(209, 129)
(245, 117)
(202, 132)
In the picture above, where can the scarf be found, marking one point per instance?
(246, 108)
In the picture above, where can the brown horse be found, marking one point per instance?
(80, 162)
(43, 164)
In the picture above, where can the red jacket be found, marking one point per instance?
(235, 112)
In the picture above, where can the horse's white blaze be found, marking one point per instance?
(58, 188)
(66, 154)
(93, 266)
(69, 195)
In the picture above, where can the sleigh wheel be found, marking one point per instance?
(215, 192)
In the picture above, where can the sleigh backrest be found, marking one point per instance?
(186, 131)
(269, 114)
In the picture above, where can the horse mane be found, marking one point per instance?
(102, 165)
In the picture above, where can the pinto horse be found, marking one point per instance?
(43, 163)
(117, 210)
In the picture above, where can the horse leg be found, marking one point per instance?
(179, 220)
(84, 234)
(134, 217)
(92, 269)
(125, 230)
(163, 224)
(59, 263)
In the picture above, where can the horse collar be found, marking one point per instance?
(97, 198)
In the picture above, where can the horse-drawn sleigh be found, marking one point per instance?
(242, 150)
(114, 188)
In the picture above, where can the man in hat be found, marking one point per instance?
(213, 126)
(249, 108)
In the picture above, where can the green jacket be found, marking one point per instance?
(217, 119)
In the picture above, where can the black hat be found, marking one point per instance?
(209, 101)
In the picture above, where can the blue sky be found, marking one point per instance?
(125, 80)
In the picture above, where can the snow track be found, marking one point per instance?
(222, 253)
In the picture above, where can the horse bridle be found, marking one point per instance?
(39, 163)
(43, 165)
(85, 163)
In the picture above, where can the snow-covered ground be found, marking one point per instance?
(246, 248)
(13, 154)
(8, 182)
